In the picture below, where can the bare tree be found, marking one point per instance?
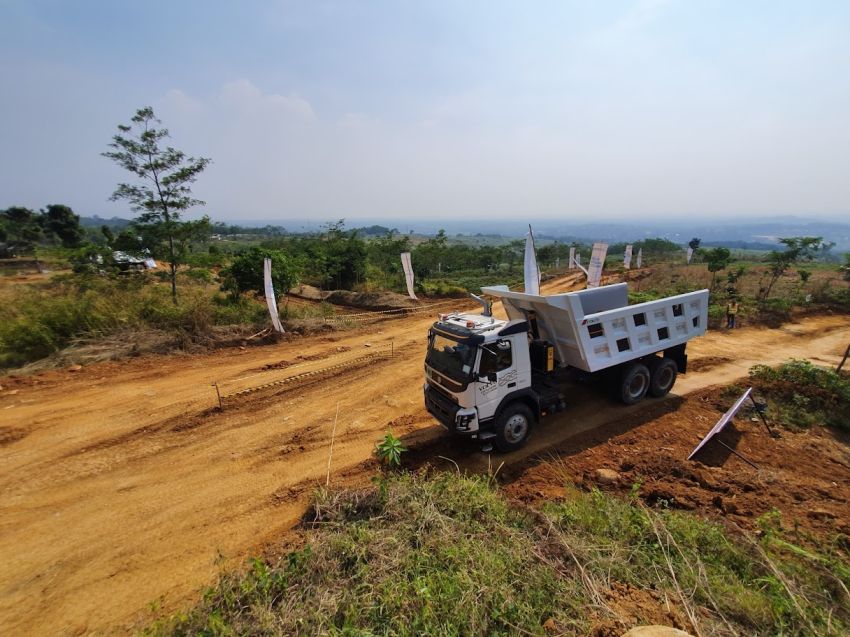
(164, 175)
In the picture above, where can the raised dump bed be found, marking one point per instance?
(596, 329)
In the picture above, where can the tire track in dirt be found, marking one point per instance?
(179, 431)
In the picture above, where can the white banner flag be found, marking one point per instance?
(690, 253)
(578, 260)
(532, 274)
(271, 300)
(572, 265)
(597, 261)
(408, 273)
(640, 257)
(627, 257)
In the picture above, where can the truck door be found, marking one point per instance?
(495, 358)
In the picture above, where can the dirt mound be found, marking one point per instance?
(634, 605)
(707, 362)
(309, 292)
(812, 491)
(371, 300)
(381, 300)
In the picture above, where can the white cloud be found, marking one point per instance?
(243, 96)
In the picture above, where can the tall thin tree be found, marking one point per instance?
(163, 192)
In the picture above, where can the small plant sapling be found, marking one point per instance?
(389, 450)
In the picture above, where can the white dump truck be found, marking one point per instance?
(493, 379)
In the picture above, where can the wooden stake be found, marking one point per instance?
(218, 393)
(841, 364)
(331, 453)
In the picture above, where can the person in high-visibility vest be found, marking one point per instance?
(731, 312)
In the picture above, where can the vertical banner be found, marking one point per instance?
(572, 265)
(640, 257)
(597, 261)
(530, 271)
(271, 300)
(408, 273)
(627, 257)
(578, 260)
(690, 253)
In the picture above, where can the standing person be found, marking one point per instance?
(731, 312)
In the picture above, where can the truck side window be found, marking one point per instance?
(495, 359)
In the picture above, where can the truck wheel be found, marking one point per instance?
(634, 383)
(663, 377)
(512, 427)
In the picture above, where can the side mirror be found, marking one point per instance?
(490, 377)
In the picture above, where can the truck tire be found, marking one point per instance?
(662, 377)
(634, 383)
(512, 427)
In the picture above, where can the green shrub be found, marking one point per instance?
(245, 273)
(803, 394)
(836, 298)
(201, 275)
(442, 287)
(644, 296)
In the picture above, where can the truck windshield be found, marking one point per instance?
(452, 358)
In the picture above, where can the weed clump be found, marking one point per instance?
(802, 394)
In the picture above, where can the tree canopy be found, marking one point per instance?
(162, 190)
(22, 229)
(797, 249)
(245, 273)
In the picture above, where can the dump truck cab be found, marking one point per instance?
(474, 367)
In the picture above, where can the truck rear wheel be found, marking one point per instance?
(663, 377)
(512, 427)
(634, 383)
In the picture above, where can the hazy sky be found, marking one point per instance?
(572, 109)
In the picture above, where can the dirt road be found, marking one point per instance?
(123, 487)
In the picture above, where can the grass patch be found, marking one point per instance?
(801, 394)
(412, 557)
(38, 320)
(719, 583)
(448, 555)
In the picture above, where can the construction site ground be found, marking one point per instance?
(126, 490)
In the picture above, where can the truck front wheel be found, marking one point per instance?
(634, 383)
(512, 427)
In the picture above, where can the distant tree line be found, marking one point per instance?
(22, 229)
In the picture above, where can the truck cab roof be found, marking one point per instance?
(472, 327)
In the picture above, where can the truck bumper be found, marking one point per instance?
(460, 420)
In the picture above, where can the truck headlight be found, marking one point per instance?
(463, 421)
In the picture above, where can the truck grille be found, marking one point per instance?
(437, 378)
(439, 406)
